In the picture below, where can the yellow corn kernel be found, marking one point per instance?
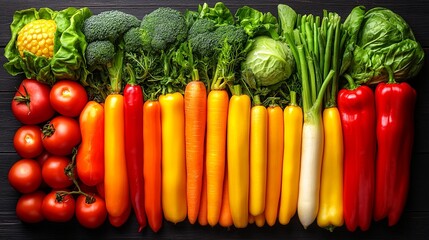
(37, 37)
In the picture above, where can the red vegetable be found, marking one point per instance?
(29, 207)
(357, 111)
(91, 211)
(57, 207)
(28, 141)
(31, 102)
(25, 175)
(395, 133)
(68, 97)
(61, 135)
(133, 122)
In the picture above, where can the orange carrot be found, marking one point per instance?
(115, 178)
(217, 115)
(195, 98)
(202, 216)
(225, 217)
(275, 163)
(152, 163)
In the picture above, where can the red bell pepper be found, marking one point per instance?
(357, 111)
(133, 121)
(395, 134)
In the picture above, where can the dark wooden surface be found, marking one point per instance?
(414, 223)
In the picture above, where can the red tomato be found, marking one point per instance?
(68, 97)
(61, 135)
(56, 209)
(91, 214)
(25, 175)
(28, 141)
(53, 172)
(31, 103)
(29, 207)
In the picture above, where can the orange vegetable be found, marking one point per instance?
(90, 154)
(152, 163)
(275, 163)
(115, 178)
(217, 115)
(195, 128)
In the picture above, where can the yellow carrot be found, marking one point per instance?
(275, 163)
(258, 158)
(238, 131)
(293, 120)
(260, 220)
(330, 213)
(173, 157)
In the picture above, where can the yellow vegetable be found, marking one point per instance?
(37, 37)
(173, 157)
(258, 159)
(330, 213)
(293, 120)
(238, 135)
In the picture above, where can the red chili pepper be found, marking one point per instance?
(357, 111)
(395, 134)
(133, 120)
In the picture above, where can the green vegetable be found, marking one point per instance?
(132, 40)
(270, 61)
(381, 41)
(219, 14)
(67, 61)
(162, 29)
(105, 52)
(257, 23)
(108, 25)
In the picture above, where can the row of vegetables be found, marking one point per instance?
(215, 117)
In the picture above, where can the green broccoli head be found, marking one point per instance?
(203, 39)
(201, 26)
(235, 36)
(99, 53)
(108, 25)
(132, 40)
(163, 28)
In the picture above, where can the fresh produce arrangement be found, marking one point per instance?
(213, 117)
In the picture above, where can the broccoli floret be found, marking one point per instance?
(201, 26)
(132, 40)
(204, 41)
(108, 25)
(235, 36)
(162, 29)
(99, 53)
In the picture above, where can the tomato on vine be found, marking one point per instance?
(55, 172)
(58, 207)
(61, 135)
(91, 211)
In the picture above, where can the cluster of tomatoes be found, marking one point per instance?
(45, 175)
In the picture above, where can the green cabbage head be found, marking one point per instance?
(270, 61)
(383, 46)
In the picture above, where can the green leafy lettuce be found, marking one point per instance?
(68, 61)
(381, 44)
